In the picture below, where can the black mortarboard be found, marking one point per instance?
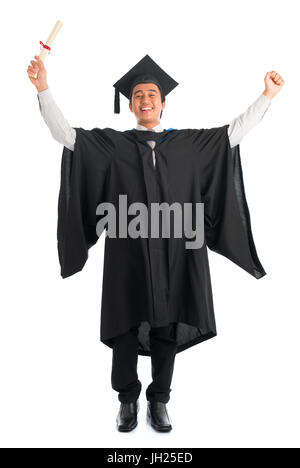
(145, 71)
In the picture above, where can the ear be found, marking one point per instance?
(163, 104)
(130, 107)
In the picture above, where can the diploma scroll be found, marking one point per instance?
(47, 46)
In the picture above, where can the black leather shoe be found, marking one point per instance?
(158, 417)
(127, 416)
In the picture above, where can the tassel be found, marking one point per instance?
(117, 101)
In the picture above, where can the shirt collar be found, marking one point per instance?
(157, 128)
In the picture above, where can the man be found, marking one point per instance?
(157, 298)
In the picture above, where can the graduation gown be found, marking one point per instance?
(150, 282)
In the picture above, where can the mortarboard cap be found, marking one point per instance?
(145, 71)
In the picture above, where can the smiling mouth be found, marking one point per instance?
(147, 110)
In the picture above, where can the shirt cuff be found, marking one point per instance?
(262, 104)
(45, 96)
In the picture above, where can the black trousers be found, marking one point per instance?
(124, 377)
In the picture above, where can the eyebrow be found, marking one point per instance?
(140, 90)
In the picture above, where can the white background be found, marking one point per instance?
(240, 389)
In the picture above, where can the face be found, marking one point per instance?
(146, 104)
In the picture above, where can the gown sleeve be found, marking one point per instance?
(227, 223)
(84, 174)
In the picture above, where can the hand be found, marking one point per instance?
(273, 84)
(40, 82)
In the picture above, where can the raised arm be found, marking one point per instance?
(52, 115)
(242, 124)
(59, 127)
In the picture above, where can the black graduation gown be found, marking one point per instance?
(152, 282)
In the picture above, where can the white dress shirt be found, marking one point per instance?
(62, 131)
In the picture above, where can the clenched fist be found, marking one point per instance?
(273, 84)
(37, 66)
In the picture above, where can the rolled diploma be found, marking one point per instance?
(44, 52)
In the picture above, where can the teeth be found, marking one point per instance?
(146, 108)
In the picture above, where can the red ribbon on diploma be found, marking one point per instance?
(45, 46)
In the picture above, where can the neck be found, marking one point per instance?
(149, 125)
